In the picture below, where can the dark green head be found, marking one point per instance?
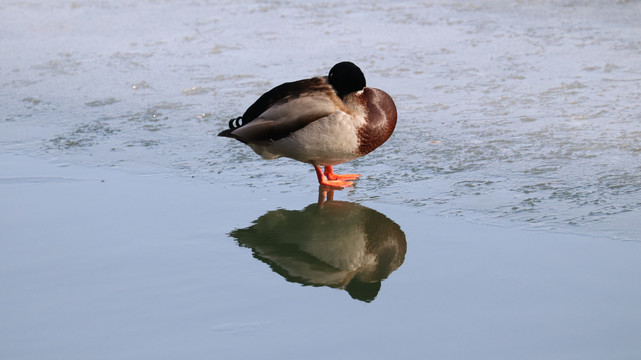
(346, 78)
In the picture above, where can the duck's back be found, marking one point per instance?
(283, 110)
(283, 93)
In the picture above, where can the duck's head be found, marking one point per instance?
(346, 78)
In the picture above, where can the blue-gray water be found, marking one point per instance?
(524, 115)
(509, 113)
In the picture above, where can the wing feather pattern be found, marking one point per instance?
(286, 109)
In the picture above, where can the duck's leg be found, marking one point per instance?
(329, 173)
(323, 180)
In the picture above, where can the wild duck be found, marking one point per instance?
(323, 121)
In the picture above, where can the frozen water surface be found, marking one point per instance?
(129, 229)
(523, 113)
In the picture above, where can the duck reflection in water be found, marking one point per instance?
(331, 243)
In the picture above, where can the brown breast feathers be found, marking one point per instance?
(380, 117)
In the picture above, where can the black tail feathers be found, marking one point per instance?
(234, 124)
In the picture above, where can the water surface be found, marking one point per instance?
(520, 113)
(129, 230)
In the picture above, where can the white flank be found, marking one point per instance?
(330, 140)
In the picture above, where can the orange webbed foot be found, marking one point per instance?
(329, 174)
(336, 183)
(333, 180)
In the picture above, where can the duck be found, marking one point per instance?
(323, 121)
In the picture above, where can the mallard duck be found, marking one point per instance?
(323, 121)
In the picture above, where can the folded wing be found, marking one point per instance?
(286, 109)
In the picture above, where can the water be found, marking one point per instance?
(138, 225)
(102, 264)
(508, 112)
(518, 113)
